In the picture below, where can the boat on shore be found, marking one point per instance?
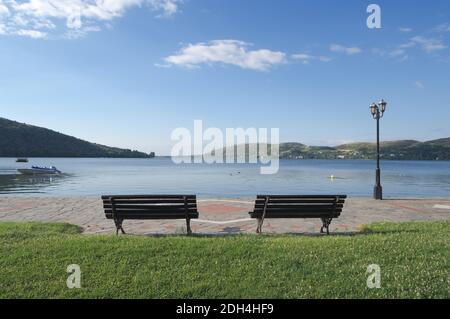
(37, 170)
(22, 160)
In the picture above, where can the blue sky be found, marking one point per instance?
(127, 72)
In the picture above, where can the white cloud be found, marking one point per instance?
(4, 11)
(325, 59)
(344, 49)
(32, 34)
(398, 52)
(168, 7)
(231, 52)
(83, 15)
(429, 45)
(445, 27)
(81, 32)
(306, 58)
(303, 57)
(407, 45)
(405, 30)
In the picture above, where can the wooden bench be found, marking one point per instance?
(325, 207)
(122, 207)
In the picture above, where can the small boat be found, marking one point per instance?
(22, 160)
(37, 170)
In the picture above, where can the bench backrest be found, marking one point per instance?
(150, 206)
(298, 206)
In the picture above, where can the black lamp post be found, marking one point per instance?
(377, 111)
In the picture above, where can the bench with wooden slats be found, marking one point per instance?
(325, 207)
(122, 207)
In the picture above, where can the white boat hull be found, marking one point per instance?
(27, 171)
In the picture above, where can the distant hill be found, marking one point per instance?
(404, 149)
(393, 150)
(23, 140)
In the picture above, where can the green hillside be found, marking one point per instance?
(405, 149)
(23, 140)
(393, 150)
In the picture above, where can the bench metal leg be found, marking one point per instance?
(259, 226)
(188, 226)
(326, 224)
(119, 226)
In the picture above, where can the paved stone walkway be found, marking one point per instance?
(219, 216)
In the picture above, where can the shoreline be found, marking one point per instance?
(207, 198)
(212, 198)
(281, 158)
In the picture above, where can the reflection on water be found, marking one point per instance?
(94, 177)
(24, 184)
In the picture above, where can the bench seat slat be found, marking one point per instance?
(299, 207)
(145, 217)
(303, 215)
(150, 201)
(299, 196)
(295, 215)
(149, 196)
(150, 207)
(152, 212)
(299, 200)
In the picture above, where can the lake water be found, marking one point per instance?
(95, 177)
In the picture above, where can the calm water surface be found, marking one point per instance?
(94, 177)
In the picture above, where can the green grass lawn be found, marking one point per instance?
(414, 261)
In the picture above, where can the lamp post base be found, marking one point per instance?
(378, 192)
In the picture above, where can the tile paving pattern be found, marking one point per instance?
(219, 216)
